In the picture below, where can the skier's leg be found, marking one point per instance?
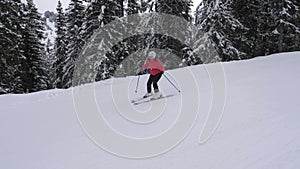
(149, 83)
(155, 80)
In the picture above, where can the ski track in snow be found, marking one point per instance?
(259, 128)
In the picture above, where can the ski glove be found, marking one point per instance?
(141, 72)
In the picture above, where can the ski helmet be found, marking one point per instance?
(152, 55)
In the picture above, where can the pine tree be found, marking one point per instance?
(10, 52)
(225, 31)
(249, 16)
(244, 29)
(283, 26)
(33, 62)
(128, 46)
(143, 5)
(113, 9)
(94, 18)
(133, 7)
(149, 6)
(49, 63)
(60, 48)
(271, 26)
(181, 8)
(75, 41)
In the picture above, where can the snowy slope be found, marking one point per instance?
(259, 128)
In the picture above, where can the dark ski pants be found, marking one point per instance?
(153, 79)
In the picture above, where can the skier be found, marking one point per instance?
(156, 71)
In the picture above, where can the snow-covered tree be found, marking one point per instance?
(133, 7)
(33, 64)
(113, 9)
(10, 52)
(93, 19)
(281, 29)
(60, 48)
(75, 41)
(216, 20)
(244, 29)
(181, 8)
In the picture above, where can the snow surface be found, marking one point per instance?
(259, 128)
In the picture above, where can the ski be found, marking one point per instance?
(139, 99)
(152, 99)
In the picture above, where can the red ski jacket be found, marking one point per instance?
(155, 66)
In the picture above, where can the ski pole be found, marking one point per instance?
(171, 83)
(137, 84)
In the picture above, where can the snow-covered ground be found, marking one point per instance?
(259, 127)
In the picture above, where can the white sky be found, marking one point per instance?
(44, 5)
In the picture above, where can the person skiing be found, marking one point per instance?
(156, 71)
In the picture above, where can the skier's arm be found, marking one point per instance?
(145, 66)
(144, 69)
